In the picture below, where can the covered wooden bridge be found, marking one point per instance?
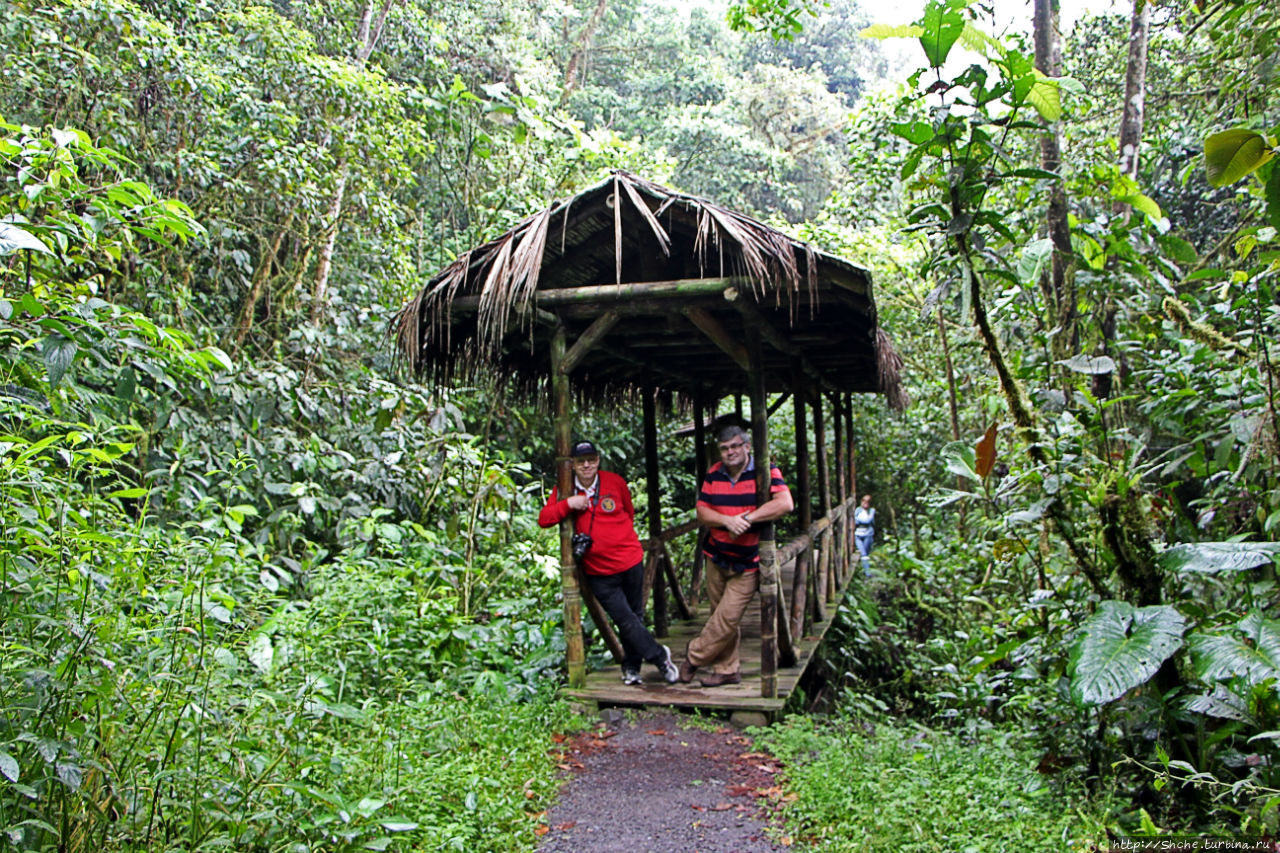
(631, 292)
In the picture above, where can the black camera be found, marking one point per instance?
(581, 543)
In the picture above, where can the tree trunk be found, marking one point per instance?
(370, 30)
(576, 69)
(244, 320)
(320, 295)
(367, 35)
(1135, 92)
(1057, 283)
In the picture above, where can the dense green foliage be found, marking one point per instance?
(861, 788)
(259, 590)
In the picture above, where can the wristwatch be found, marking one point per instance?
(746, 516)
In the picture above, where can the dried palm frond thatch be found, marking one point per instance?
(889, 372)
(637, 250)
(504, 272)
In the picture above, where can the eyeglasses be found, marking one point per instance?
(735, 445)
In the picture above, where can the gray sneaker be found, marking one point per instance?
(670, 672)
(631, 675)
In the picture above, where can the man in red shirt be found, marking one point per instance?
(614, 561)
(727, 505)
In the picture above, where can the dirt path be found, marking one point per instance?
(648, 784)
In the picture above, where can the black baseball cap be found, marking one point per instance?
(584, 448)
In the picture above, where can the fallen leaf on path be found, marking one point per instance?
(656, 732)
(567, 825)
(559, 738)
(722, 807)
(697, 808)
(541, 830)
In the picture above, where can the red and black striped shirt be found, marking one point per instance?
(734, 497)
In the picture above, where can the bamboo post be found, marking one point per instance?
(600, 618)
(850, 562)
(799, 586)
(575, 652)
(836, 566)
(700, 472)
(824, 499)
(824, 571)
(768, 547)
(682, 606)
(655, 510)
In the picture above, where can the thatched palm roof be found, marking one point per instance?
(667, 284)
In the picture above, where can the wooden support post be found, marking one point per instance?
(839, 558)
(575, 652)
(700, 472)
(804, 504)
(850, 562)
(825, 556)
(768, 545)
(824, 500)
(654, 492)
(601, 618)
(682, 606)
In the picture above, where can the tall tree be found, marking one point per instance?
(1135, 92)
(1057, 282)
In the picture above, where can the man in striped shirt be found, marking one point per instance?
(727, 505)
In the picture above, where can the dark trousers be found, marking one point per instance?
(621, 597)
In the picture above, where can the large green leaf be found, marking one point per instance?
(59, 353)
(1089, 364)
(1142, 204)
(13, 239)
(1120, 648)
(889, 31)
(1033, 260)
(1249, 650)
(1232, 154)
(1220, 703)
(942, 27)
(1273, 198)
(1211, 557)
(960, 459)
(1046, 97)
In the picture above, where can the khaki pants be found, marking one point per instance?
(729, 593)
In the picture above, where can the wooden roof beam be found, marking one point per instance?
(675, 289)
(587, 341)
(754, 316)
(720, 336)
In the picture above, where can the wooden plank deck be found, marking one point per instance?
(604, 687)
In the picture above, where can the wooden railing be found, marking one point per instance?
(821, 554)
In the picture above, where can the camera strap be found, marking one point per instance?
(592, 500)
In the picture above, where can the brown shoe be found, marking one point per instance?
(717, 679)
(686, 671)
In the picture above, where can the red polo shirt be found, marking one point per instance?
(610, 521)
